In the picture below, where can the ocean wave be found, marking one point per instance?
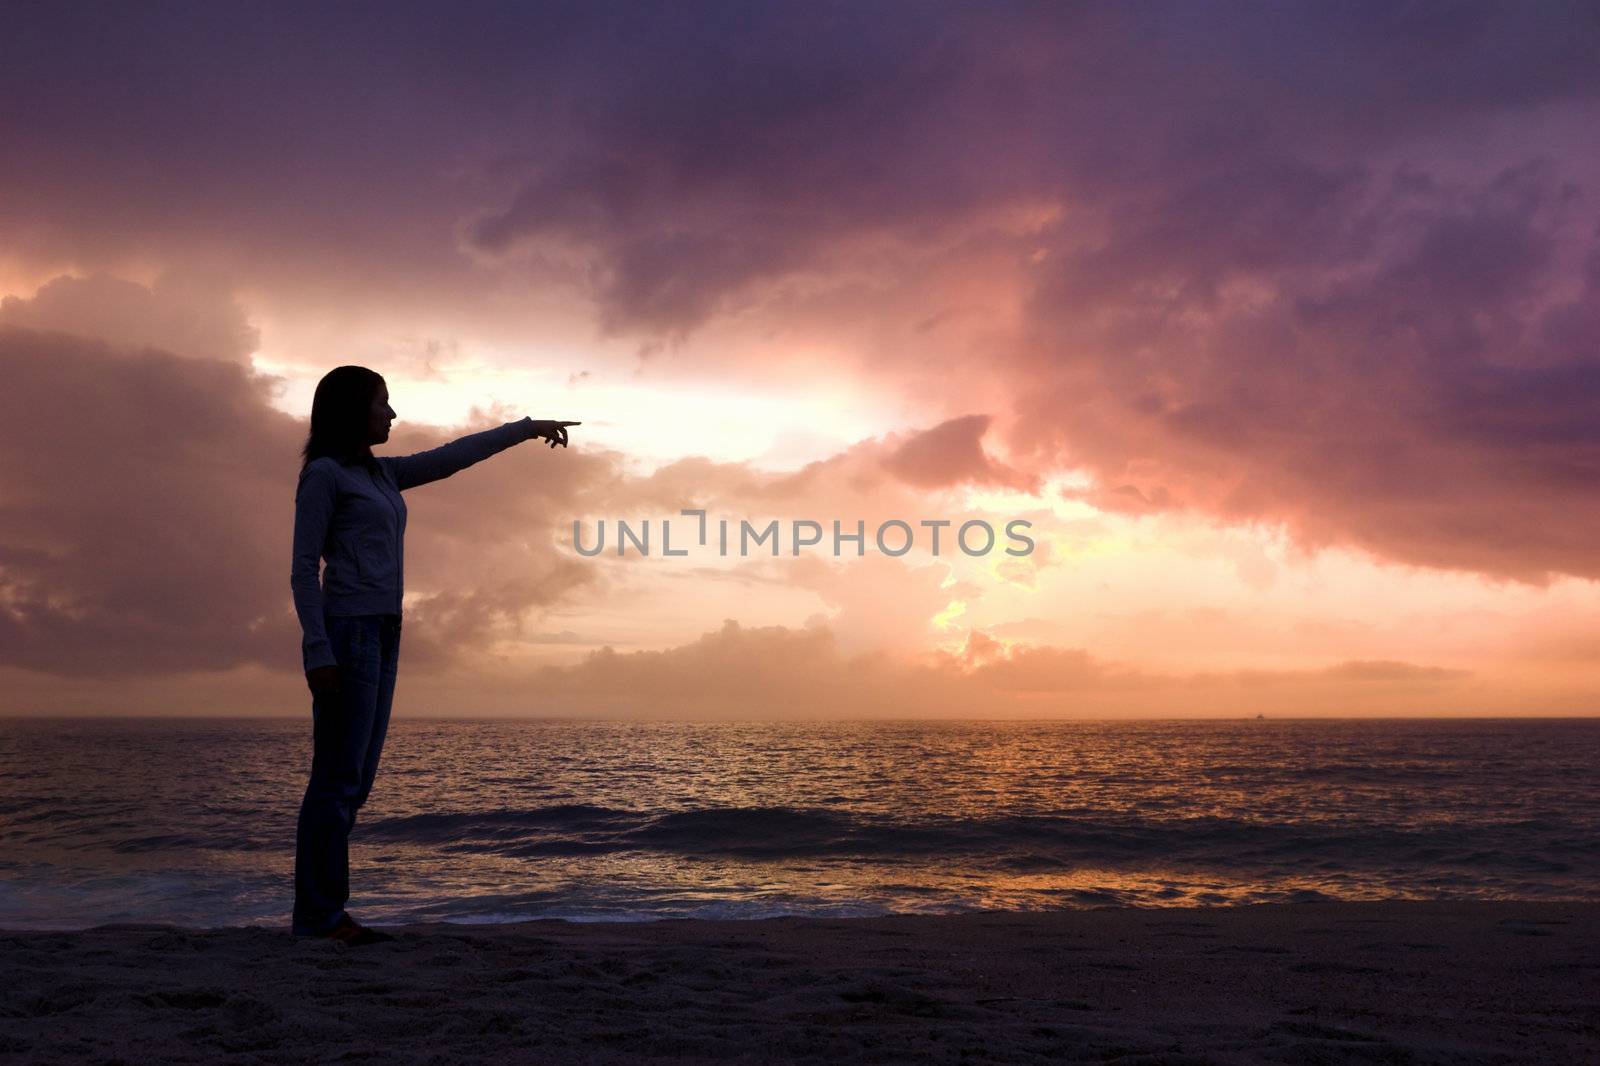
(1016, 843)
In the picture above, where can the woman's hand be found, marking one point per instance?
(554, 432)
(324, 680)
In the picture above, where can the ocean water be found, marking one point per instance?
(192, 821)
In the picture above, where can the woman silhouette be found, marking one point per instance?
(348, 510)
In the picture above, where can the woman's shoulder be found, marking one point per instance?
(323, 468)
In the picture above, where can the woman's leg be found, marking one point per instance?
(343, 725)
(388, 669)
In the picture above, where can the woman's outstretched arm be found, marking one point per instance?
(435, 463)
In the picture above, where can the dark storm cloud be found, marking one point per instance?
(135, 488)
(1420, 386)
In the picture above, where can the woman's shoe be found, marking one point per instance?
(351, 932)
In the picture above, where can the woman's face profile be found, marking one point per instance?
(382, 414)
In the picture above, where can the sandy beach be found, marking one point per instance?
(1394, 982)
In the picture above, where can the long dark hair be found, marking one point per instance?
(340, 412)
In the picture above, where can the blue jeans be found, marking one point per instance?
(348, 728)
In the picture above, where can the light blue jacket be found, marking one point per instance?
(355, 519)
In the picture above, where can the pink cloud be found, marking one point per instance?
(951, 453)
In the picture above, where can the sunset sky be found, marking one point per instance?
(1280, 323)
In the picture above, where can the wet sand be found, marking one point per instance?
(1390, 982)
